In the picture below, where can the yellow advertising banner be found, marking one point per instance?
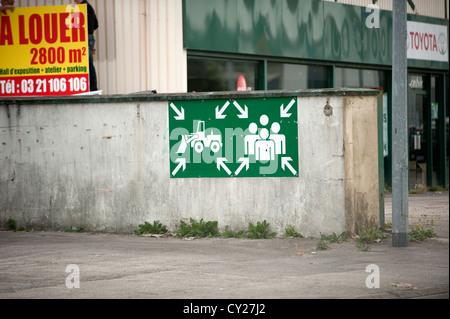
(44, 51)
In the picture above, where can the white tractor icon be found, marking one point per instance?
(199, 140)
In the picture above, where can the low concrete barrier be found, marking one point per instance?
(110, 163)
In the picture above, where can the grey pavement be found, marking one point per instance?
(35, 265)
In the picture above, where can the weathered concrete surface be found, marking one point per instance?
(104, 166)
(362, 205)
(33, 265)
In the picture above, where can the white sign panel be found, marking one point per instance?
(427, 42)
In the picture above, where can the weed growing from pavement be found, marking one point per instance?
(290, 232)
(328, 239)
(11, 224)
(198, 229)
(419, 234)
(202, 229)
(368, 236)
(322, 245)
(231, 234)
(260, 231)
(155, 228)
(74, 230)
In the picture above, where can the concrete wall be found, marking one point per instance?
(103, 164)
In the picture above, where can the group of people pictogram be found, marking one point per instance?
(265, 144)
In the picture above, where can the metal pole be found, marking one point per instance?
(399, 126)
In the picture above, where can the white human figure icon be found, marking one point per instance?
(264, 120)
(264, 147)
(279, 139)
(249, 140)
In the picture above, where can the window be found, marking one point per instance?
(207, 75)
(358, 78)
(287, 76)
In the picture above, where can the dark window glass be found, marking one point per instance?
(287, 76)
(358, 78)
(447, 98)
(207, 75)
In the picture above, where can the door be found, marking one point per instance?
(417, 130)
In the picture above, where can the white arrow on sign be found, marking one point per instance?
(180, 114)
(181, 163)
(221, 163)
(284, 111)
(244, 112)
(219, 113)
(285, 162)
(245, 163)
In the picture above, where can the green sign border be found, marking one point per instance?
(229, 122)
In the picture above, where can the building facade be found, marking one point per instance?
(317, 44)
(202, 45)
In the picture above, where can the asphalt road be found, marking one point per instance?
(60, 265)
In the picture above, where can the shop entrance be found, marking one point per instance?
(417, 130)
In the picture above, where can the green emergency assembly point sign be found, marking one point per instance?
(234, 138)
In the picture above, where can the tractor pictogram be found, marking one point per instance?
(199, 140)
